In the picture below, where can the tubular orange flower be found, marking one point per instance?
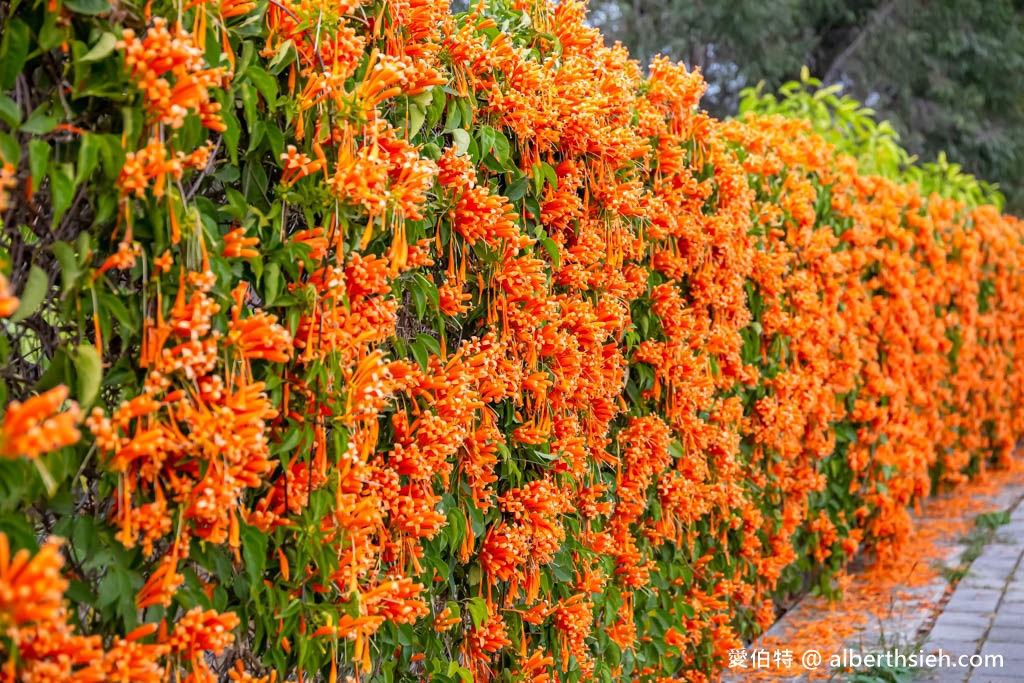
(31, 587)
(237, 245)
(8, 302)
(176, 53)
(297, 165)
(8, 181)
(36, 427)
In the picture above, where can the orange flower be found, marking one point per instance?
(165, 53)
(237, 245)
(235, 8)
(36, 427)
(31, 587)
(8, 181)
(8, 302)
(297, 165)
(259, 335)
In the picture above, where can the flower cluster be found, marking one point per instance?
(467, 349)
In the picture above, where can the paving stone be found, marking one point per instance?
(961, 618)
(946, 631)
(1012, 608)
(1004, 572)
(1010, 621)
(995, 565)
(998, 555)
(983, 581)
(950, 646)
(1000, 551)
(965, 619)
(1011, 529)
(1005, 634)
(941, 676)
(1010, 652)
(991, 674)
(1012, 603)
(1014, 593)
(974, 600)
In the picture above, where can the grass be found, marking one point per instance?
(885, 672)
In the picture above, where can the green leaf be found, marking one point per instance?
(549, 175)
(552, 249)
(89, 370)
(461, 140)
(88, 156)
(436, 108)
(517, 190)
(103, 47)
(38, 123)
(254, 552)
(502, 149)
(284, 56)
(676, 450)
(38, 160)
(114, 586)
(454, 117)
(32, 296)
(13, 52)
(236, 206)
(19, 532)
(271, 283)
(10, 150)
(430, 343)
(265, 84)
(487, 135)
(249, 108)
(420, 353)
(417, 116)
(231, 134)
(428, 289)
(62, 188)
(89, 7)
(116, 307)
(9, 112)
(57, 373)
(477, 611)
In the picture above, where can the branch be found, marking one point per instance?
(876, 21)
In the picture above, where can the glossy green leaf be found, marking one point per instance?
(14, 50)
(89, 373)
(32, 296)
(101, 50)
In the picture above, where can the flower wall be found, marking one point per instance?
(372, 340)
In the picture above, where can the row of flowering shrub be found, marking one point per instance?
(363, 339)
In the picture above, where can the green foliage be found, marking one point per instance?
(946, 74)
(854, 129)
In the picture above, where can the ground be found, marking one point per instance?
(958, 586)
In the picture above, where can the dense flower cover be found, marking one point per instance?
(416, 345)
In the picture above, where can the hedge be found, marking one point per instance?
(370, 340)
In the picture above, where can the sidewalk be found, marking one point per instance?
(985, 615)
(909, 605)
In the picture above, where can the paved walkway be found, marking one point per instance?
(985, 615)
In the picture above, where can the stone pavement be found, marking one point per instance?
(984, 617)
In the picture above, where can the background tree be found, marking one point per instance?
(948, 74)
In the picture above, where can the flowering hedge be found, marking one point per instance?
(365, 339)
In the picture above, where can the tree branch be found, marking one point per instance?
(874, 22)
